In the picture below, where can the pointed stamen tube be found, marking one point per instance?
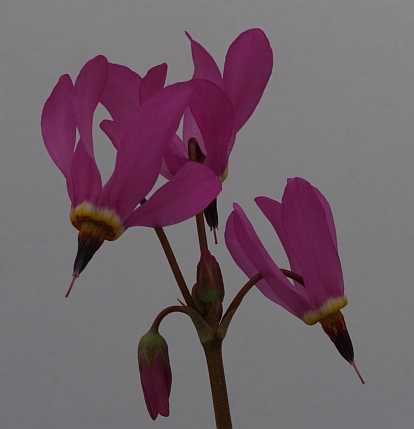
(215, 235)
(335, 327)
(74, 277)
(357, 371)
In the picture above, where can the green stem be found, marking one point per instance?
(214, 357)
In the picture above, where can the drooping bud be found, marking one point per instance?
(210, 286)
(155, 372)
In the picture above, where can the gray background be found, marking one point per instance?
(338, 111)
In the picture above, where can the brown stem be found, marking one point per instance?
(173, 309)
(293, 276)
(242, 293)
(201, 231)
(214, 358)
(175, 268)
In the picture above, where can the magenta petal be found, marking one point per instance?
(59, 124)
(329, 216)
(152, 82)
(273, 211)
(306, 228)
(191, 130)
(204, 65)
(156, 385)
(88, 89)
(214, 115)
(243, 261)
(121, 94)
(113, 130)
(141, 149)
(175, 156)
(249, 253)
(86, 179)
(188, 193)
(247, 69)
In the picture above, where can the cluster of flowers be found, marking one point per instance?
(145, 116)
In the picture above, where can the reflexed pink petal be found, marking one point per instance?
(273, 211)
(88, 90)
(152, 82)
(214, 115)
(204, 65)
(191, 130)
(306, 228)
(241, 238)
(165, 171)
(59, 124)
(113, 130)
(242, 259)
(328, 213)
(86, 179)
(188, 193)
(175, 156)
(141, 149)
(121, 94)
(247, 69)
(329, 216)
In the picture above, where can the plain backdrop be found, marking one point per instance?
(338, 111)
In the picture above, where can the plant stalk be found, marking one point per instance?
(175, 268)
(214, 357)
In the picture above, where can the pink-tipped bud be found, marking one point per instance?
(155, 372)
(210, 286)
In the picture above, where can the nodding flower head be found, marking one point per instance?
(221, 103)
(140, 134)
(305, 226)
(155, 371)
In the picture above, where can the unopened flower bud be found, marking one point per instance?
(210, 284)
(155, 372)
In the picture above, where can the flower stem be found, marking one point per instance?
(291, 275)
(242, 293)
(173, 309)
(201, 231)
(214, 357)
(175, 268)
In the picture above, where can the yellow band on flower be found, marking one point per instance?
(104, 217)
(331, 306)
(225, 174)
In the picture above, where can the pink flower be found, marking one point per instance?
(140, 133)
(306, 229)
(304, 224)
(222, 104)
(155, 372)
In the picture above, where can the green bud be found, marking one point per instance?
(152, 345)
(210, 286)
